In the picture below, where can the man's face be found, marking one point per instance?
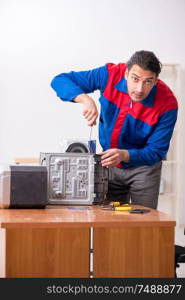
(139, 82)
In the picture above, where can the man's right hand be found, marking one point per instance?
(90, 111)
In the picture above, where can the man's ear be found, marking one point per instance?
(126, 73)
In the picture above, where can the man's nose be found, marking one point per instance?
(140, 87)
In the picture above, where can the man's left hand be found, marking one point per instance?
(113, 157)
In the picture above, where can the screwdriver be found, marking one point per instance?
(91, 143)
(90, 134)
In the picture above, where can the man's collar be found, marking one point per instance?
(148, 101)
(122, 85)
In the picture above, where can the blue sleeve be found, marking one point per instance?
(158, 143)
(69, 85)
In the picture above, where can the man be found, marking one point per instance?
(137, 118)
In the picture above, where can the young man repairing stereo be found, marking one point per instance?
(136, 122)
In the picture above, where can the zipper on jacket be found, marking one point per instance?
(130, 104)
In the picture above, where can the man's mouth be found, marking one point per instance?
(138, 95)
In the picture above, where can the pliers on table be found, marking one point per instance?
(117, 206)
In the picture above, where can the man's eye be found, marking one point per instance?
(135, 79)
(148, 81)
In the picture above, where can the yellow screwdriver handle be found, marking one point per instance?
(123, 208)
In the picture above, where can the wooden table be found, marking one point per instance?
(55, 242)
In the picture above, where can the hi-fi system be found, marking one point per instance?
(73, 176)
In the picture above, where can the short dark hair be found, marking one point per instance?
(146, 60)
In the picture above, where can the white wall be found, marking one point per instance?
(42, 38)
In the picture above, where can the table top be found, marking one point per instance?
(55, 216)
